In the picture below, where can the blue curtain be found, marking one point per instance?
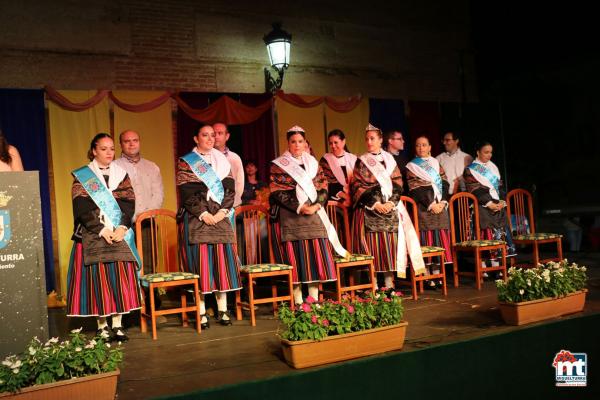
(388, 114)
(23, 121)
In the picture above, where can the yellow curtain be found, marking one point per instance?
(70, 136)
(156, 136)
(352, 123)
(311, 119)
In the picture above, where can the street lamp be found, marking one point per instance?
(278, 44)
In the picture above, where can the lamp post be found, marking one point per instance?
(278, 44)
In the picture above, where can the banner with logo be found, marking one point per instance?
(23, 312)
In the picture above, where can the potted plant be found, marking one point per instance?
(548, 291)
(319, 333)
(62, 370)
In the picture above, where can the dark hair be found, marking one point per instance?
(340, 134)
(455, 134)
(250, 161)
(482, 144)
(389, 134)
(199, 129)
(94, 143)
(289, 134)
(423, 137)
(4, 146)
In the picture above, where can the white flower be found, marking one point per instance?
(16, 364)
(521, 292)
(528, 282)
(51, 341)
(77, 349)
(108, 345)
(7, 363)
(32, 351)
(583, 269)
(393, 293)
(76, 330)
(1, 382)
(104, 334)
(16, 371)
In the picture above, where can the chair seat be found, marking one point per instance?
(537, 236)
(255, 268)
(167, 277)
(480, 243)
(352, 258)
(431, 249)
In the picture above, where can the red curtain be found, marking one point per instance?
(258, 137)
(226, 110)
(424, 120)
(65, 103)
(339, 106)
(151, 105)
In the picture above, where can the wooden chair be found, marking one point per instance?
(429, 252)
(254, 267)
(520, 205)
(338, 215)
(160, 229)
(466, 237)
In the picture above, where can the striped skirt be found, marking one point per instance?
(381, 245)
(101, 289)
(312, 259)
(217, 264)
(438, 238)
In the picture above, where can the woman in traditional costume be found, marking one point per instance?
(483, 180)
(207, 240)
(302, 234)
(337, 166)
(381, 226)
(102, 279)
(428, 186)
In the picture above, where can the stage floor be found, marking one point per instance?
(182, 361)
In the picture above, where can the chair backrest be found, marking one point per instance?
(411, 208)
(519, 207)
(338, 215)
(251, 246)
(464, 217)
(156, 240)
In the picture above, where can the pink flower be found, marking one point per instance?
(325, 322)
(306, 307)
(387, 300)
(350, 309)
(383, 289)
(314, 319)
(310, 300)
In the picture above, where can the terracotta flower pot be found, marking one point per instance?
(308, 353)
(97, 387)
(537, 310)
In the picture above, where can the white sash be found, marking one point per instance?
(493, 169)
(334, 163)
(305, 190)
(220, 164)
(421, 173)
(408, 241)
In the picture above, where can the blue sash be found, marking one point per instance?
(206, 174)
(487, 174)
(106, 202)
(435, 176)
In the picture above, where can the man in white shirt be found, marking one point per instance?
(237, 168)
(148, 188)
(454, 161)
(144, 174)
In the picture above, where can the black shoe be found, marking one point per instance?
(106, 334)
(204, 325)
(430, 285)
(224, 322)
(119, 335)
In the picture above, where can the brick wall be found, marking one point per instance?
(405, 49)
